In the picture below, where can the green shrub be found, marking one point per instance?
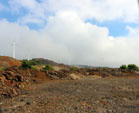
(35, 67)
(48, 67)
(133, 67)
(34, 62)
(1, 68)
(106, 68)
(85, 69)
(123, 67)
(25, 64)
(74, 68)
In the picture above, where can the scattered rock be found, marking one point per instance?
(28, 103)
(74, 76)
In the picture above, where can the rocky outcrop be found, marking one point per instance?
(6, 61)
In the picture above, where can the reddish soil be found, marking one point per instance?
(97, 90)
(6, 61)
(103, 95)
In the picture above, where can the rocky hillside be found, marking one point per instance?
(6, 61)
(14, 78)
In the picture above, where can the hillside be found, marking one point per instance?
(45, 61)
(67, 89)
(6, 61)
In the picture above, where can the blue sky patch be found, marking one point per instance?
(4, 2)
(116, 28)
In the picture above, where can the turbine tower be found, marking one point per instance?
(138, 3)
(14, 49)
(69, 62)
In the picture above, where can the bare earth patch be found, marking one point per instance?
(99, 95)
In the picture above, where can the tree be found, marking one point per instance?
(133, 67)
(26, 64)
(123, 67)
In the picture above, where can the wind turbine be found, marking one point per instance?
(138, 3)
(69, 61)
(14, 45)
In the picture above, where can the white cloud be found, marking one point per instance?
(29, 4)
(28, 42)
(67, 36)
(35, 12)
(101, 10)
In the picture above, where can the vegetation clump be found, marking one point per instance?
(1, 68)
(35, 68)
(25, 64)
(130, 67)
(34, 62)
(123, 67)
(133, 67)
(48, 67)
(74, 68)
(30, 64)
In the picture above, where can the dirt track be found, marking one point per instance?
(104, 95)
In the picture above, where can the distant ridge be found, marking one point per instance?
(45, 61)
(87, 66)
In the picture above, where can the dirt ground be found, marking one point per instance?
(90, 95)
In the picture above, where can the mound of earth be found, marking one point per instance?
(13, 80)
(45, 61)
(6, 61)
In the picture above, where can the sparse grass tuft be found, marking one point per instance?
(1, 68)
(35, 68)
(74, 68)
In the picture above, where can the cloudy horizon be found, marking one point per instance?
(86, 32)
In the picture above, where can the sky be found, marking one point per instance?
(82, 32)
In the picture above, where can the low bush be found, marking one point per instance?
(85, 69)
(1, 68)
(34, 62)
(35, 68)
(48, 67)
(74, 68)
(25, 64)
(29, 64)
(123, 67)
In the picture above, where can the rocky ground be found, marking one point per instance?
(66, 89)
(87, 95)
